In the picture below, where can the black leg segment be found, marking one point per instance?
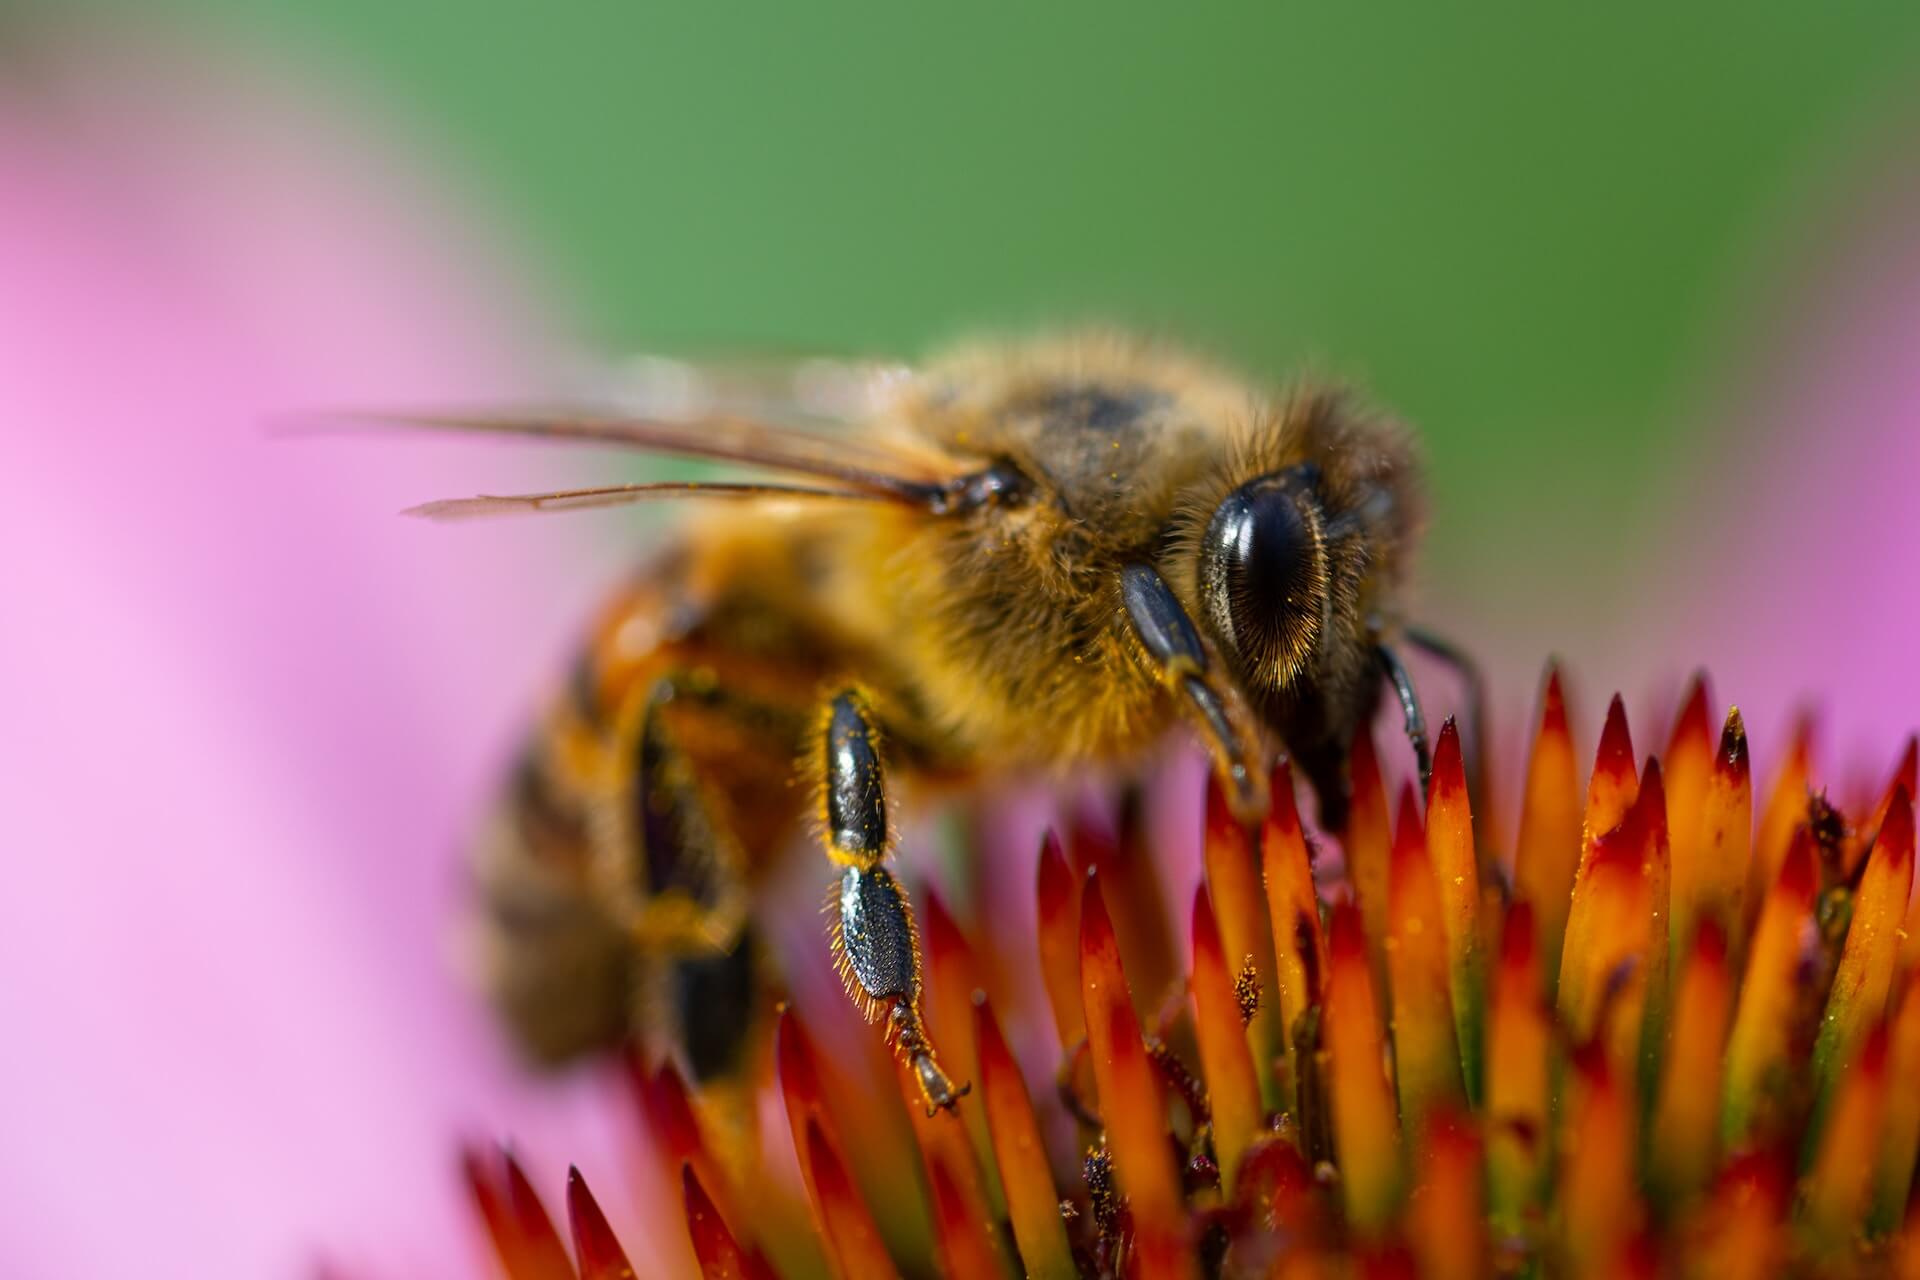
(876, 929)
(1162, 625)
(671, 874)
(716, 1003)
(1396, 673)
(857, 824)
(875, 944)
(1215, 706)
(676, 835)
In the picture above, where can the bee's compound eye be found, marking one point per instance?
(1263, 573)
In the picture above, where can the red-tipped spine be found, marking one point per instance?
(1519, 1034)
(1368, 842)
(1613, 784)
(1648, 1031)
(1239, 908)
(677, 1137)
(1446, 1219)
(1610, 919)
(1857, 1000)
(969, 1244)
(1366, 1140)
(1906, 778)
(1137, 902)
(1426, 1057)
(799, 1077)
(1233, 1091)
(952, 978)
(1741, 1234)
(594, 1244)
(962, 1219)
(952, 981)
(1608, 916)
(1456, 874)
(523, 1236)
(1021, 1155)
(487, 1191)
(486, 1185)
(1300, 948)
(1726, 844)
(1843, 1170)
(1689, 772)
(1599, 1205)
(852, 1240)
(1685, 1129)
(1130, 1101)
(1906, 1251)
(837, 1215)
(1058, 892)
(1784, 813)
(1608, 929)
(720, 1254)
(1907, 966)
(1548, 851)
(1758, 1047)
(1900, 1124)
(1277, 1188)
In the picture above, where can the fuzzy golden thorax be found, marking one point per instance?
(1006, 620)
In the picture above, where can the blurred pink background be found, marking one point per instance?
(249, 714)
(1794, 528)
(248, 710)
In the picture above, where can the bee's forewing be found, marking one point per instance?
(789, 389)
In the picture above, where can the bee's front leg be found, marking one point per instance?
(1189, 669)
(875, 944)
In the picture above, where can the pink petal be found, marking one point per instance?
(248, 714)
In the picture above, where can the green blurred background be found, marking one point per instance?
(1537, 231)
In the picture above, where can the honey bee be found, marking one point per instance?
(1016, 557)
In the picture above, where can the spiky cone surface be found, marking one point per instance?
(1673, 1031)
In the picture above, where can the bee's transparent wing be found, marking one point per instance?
(799, 390)
(765, 412)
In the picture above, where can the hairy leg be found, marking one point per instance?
(875, 943)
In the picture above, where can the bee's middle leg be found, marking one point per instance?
(875, 943)
(673, 868)
(673, 872)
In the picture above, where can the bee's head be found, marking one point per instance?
(1263, 582)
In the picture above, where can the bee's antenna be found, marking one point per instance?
(620, 495)
(852, 464)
